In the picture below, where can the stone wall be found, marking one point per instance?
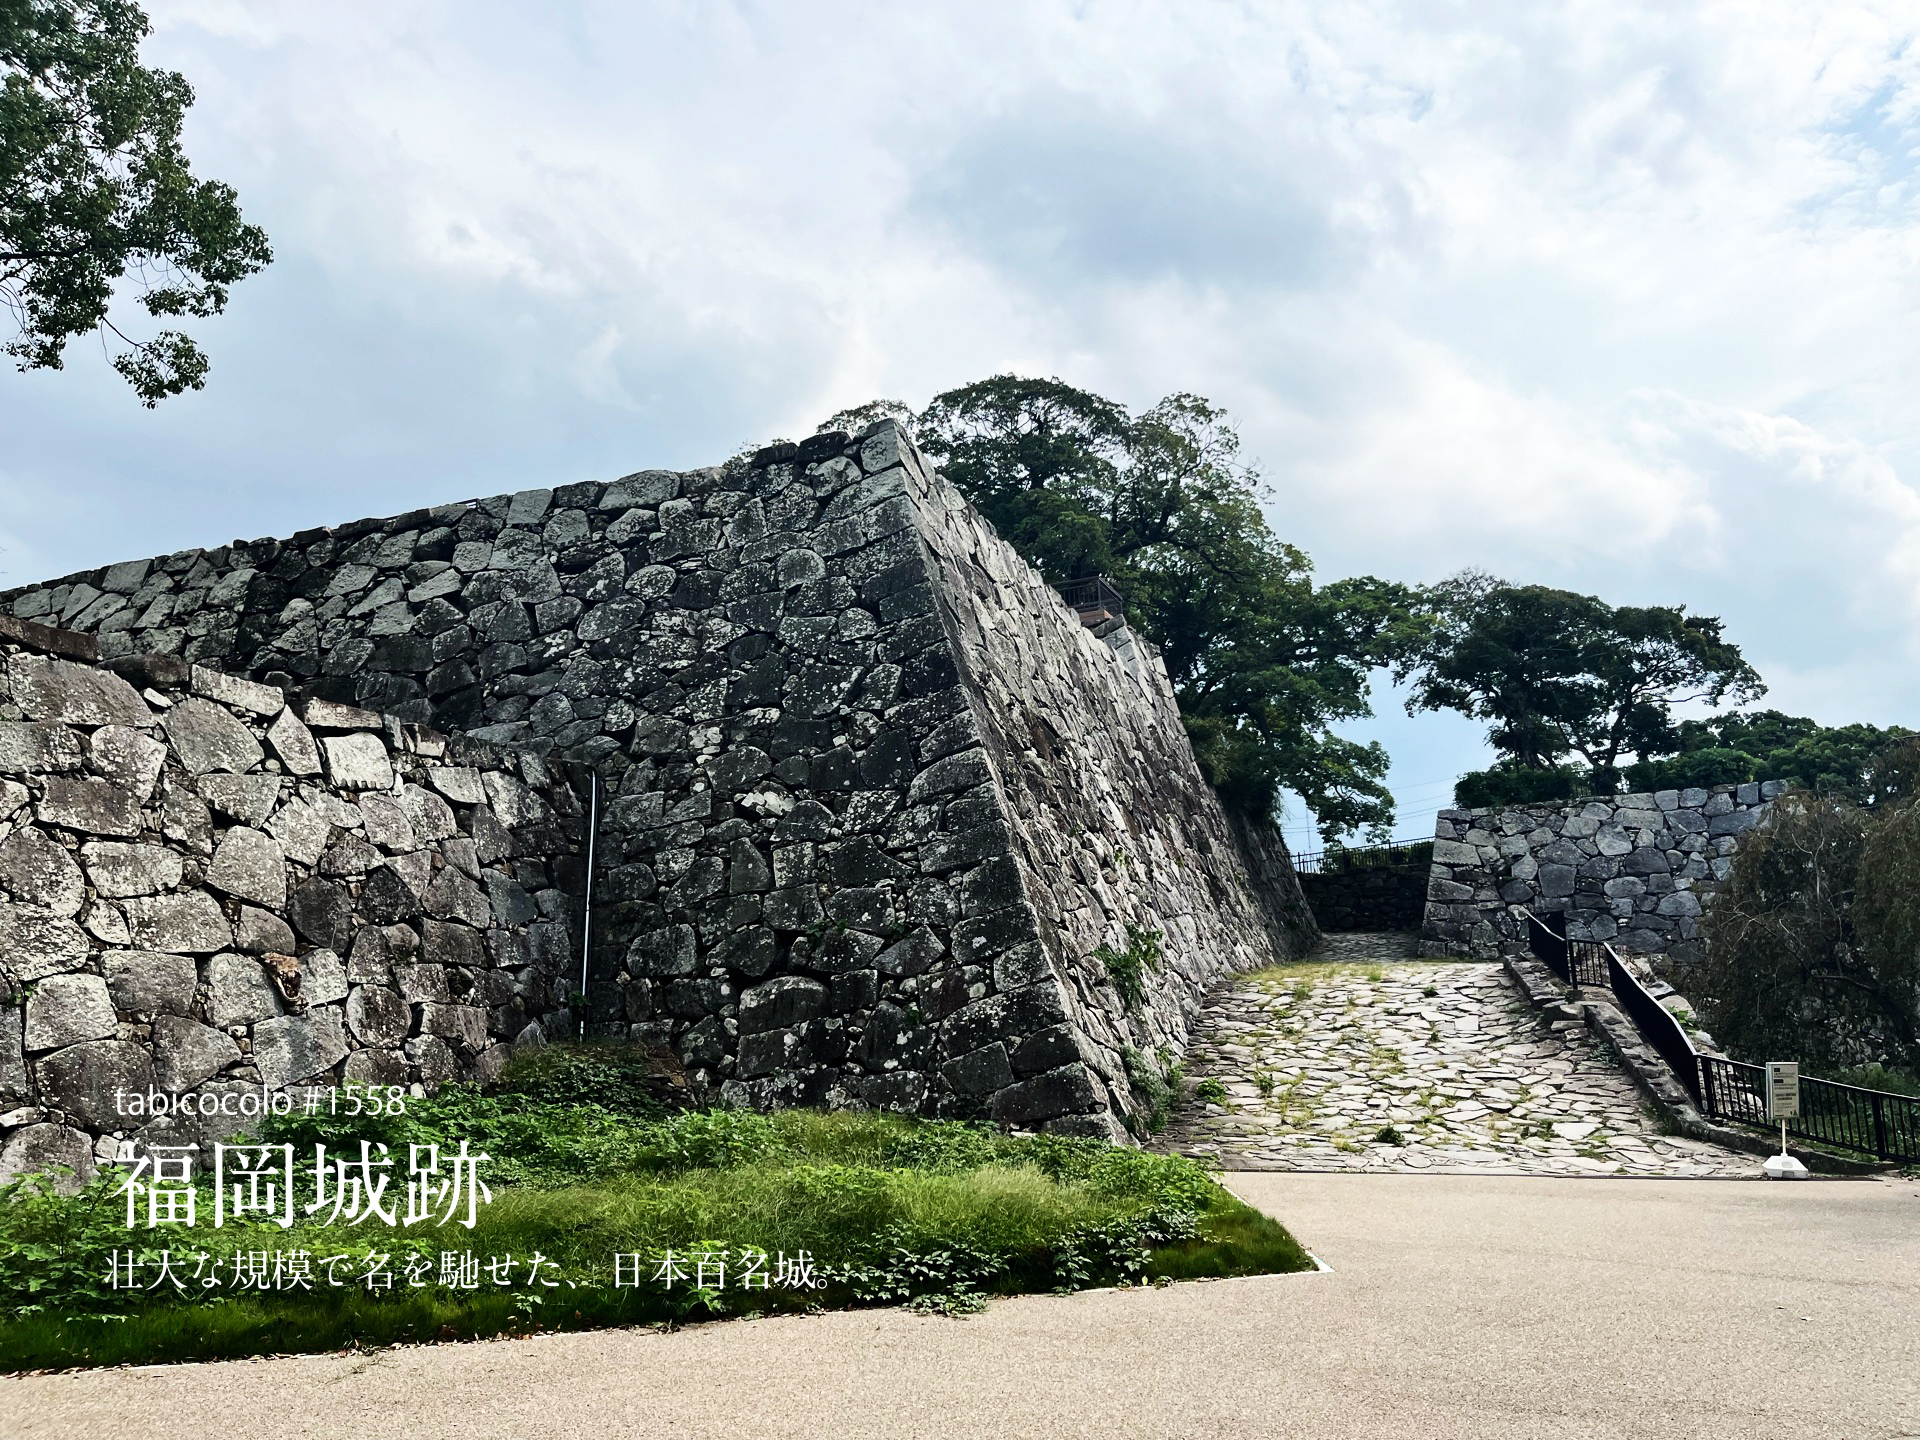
(1383, 898)
(205, 890)
(1114, 835)
(1634, 870)
(874, 797)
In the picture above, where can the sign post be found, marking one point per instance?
(1783, 1104)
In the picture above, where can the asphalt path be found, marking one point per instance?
(1469, 1306)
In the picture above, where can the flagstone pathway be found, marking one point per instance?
(1365, 1058)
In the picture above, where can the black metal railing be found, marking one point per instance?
(1657, 1025)
(1846, 1117)
(1549, 947)
(1587, 961)
(1592, 964)
(1344, 859)
(1093, 595)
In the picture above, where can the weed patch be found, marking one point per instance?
(935, 1214)
(1128, 968)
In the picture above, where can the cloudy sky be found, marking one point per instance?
(1612, 296)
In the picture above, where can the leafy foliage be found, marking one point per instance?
(1128, 968)
(1843, 760)
(1344, 861)
(1511, 784)
(936, 1213)
(1263, 662)
(1557, 674)
(616, 1077)
(1813, 946)
(53, 1247)
(93, 185)
(1158, 1089)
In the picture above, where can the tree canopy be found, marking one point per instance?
(1813, 945)
(94, 189)
(1558, 675)
(1842, 760)
(1264, 662)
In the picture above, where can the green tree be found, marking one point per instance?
(1843, 760)
(1041, 460)
(1813, 945)
(1263, 661)
(94, 190)
(1555, 673)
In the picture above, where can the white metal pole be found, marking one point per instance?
(586, 925)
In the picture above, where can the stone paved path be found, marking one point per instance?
(1364, 1058)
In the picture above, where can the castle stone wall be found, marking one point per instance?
(205, 892)
(1637, 871)
(1388, 898)
(874, 798)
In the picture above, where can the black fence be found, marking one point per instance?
(1845, 1117)
(1093, 594)
(1592, 964)
(1871, 1122)
(1345, 859)
(1656, 1024)
(1549, 947)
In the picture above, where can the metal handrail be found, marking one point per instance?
(1092, 593)
(1594, 964)
(1845, 1117)
(1657, 1024)
(1549, 947)
(1319, 862)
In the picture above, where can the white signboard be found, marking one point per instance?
(1783, 1089)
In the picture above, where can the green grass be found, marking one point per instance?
(933, 1214)
(1877, 1077)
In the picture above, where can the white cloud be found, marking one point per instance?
(1616, 296)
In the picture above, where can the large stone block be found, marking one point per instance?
(119, 869)
(29, 749)
(981, 1072)
(1067, 1091)
(465, 1025)
(66, 1009)
(57, 1150)
(293, 742)
(35, 942)
(357, 762)
(185, 1052)
(247, 798)
(322, 912)
(189, 923)
(147, 982)
(781, 1003)
(298, 1047)
(249, 865)
(93, 807)
(128, 758)
(36, 871)
(90, 1081)
(378, 1017)
(260, 932)
(59, 690)
(206, 737)
(239, 991)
